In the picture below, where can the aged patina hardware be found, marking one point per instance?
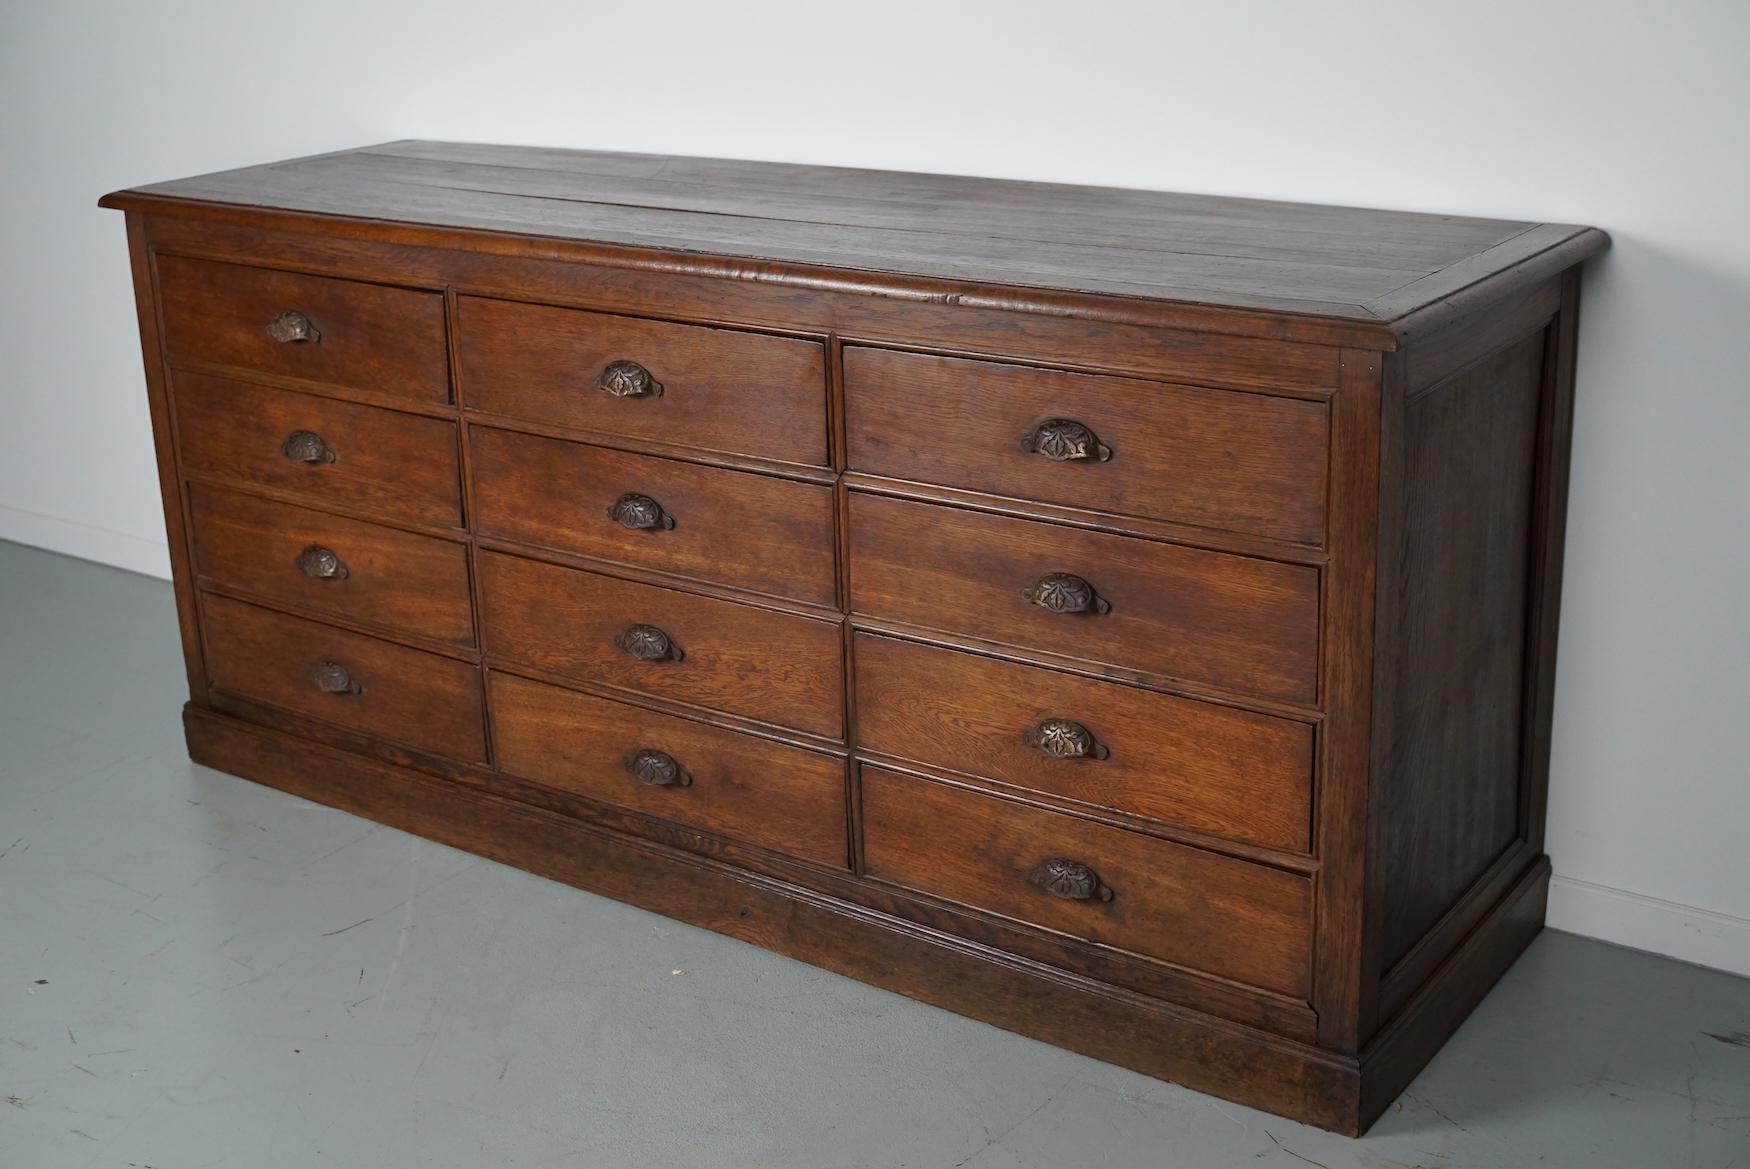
(654, 768)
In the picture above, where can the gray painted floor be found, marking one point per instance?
(196, 971)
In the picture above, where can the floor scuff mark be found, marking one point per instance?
(1292, 1153)
(1435, 1109)
(343, 929)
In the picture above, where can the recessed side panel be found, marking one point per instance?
(1449, 804)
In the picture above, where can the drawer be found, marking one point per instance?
(344, 568)
(733, 527)
(1151, 897)
(344, 332)
(1244, 462)
(685, 384)
(727, 784)
(1240, 623)
(338, 454)
(1213, 768)
(775, 667)
(376, 687)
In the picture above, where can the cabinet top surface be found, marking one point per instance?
(1253, 255)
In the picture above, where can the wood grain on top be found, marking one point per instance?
(1338, 262)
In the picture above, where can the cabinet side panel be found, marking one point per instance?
(1450, 802)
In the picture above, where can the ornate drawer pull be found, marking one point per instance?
(647, 643)
(640, 513)
(1064, 440)
(627, 379)
(1063, 592)
(293, 328)
(654, 768)
(334, 678)
(1063, 738)
(319, 563)
(306, 446)
(1069, 879)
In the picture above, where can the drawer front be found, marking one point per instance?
(346, 333)
(1240, 623)
(1244, 462)
(727, 784)
(717, 389)
(733, 527)
(775, 667)
(1182, 905)
(1213, 768)
(404, 695)
(337, 454)
(349, 569)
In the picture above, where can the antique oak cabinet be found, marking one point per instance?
(1127, 618)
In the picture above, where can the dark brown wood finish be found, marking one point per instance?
(368, 337)
(365, 683)
(143, 264)
(1452, 788)
(1165, 339)
(1247, 463)
(778, 797)
(1309, 462)
(1191, 764)
(1341, 991)
(1239, 624)
(1247, 254)
(1182, 905)
(780, 668)
(768, 535)
(1514, 358)
(326, 564)
(319, 450)
(744, 393)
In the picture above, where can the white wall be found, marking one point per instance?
(1626, 116)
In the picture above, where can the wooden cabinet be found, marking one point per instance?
(1127, 618)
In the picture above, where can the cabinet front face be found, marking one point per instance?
(615, 570)
(1058, 655)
